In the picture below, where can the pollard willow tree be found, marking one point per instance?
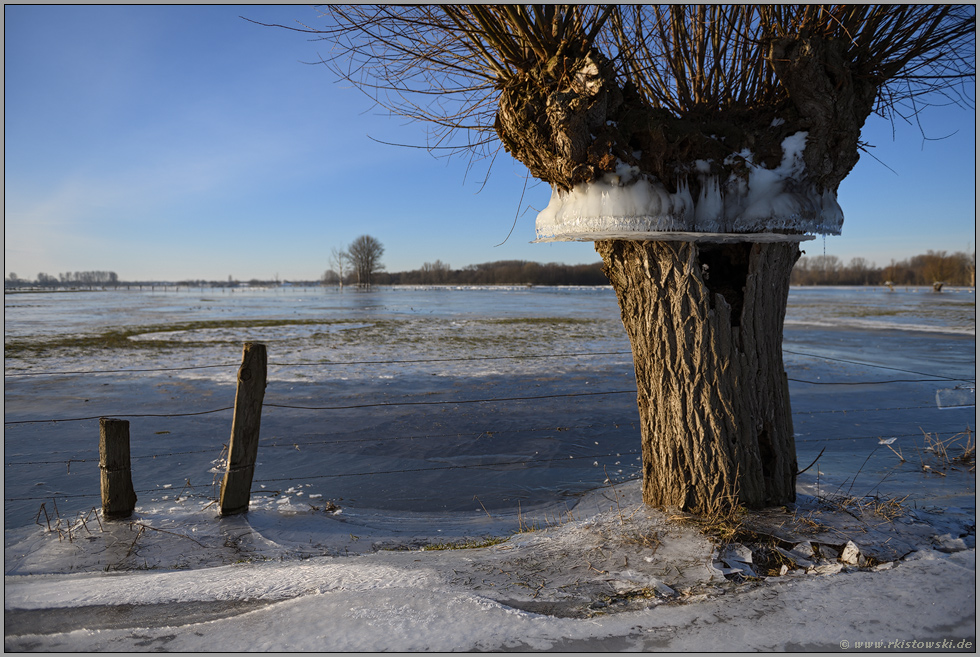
(697, 146)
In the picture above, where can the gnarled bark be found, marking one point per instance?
(832, 99)
(706, 324)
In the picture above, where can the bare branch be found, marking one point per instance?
(446, 65)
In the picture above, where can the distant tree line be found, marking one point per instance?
(503, 272)
(67, 279)
(926, 269)
(343, 271)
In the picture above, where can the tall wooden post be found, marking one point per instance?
(118, 496)
(244, 445)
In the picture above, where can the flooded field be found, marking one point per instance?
(447, 400)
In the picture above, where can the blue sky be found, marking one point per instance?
(182, 142)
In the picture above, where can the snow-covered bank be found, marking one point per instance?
(610, 575)
(812, 615)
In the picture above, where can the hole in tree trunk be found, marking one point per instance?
(766, 453)
(724, 270)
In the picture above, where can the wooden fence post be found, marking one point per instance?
(244, 445)
(118, 496)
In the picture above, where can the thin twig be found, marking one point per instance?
(157, 529)
(133, 545)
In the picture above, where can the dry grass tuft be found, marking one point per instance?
(886, 508)
(472, 544)
(723, 520)
(649, 540)
(959, 450)
(554, 520)
(809, 524)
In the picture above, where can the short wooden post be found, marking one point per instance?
(244, 445)
(118, 496)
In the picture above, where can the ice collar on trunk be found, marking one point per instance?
(744, 201)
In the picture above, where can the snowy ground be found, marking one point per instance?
(609, 575)
(318, 564)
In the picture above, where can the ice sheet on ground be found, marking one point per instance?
(440, 344)
(961, 396)
(610, 575)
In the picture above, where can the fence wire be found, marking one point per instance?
(340, 475)
(326, 363)
(292, 444)
(267, 443)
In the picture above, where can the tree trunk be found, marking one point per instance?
(706, 325)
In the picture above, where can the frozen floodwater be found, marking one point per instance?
(379, 400)
(443, 399)
(404, 418)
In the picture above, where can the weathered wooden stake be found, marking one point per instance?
(244, 445)
(118, 496)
